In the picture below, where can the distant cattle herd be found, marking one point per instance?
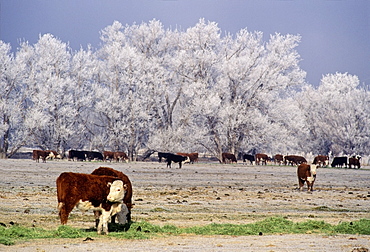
(182, 158)
(108, 192)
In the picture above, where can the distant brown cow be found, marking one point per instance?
(120, 155)
(278, 159)
(306, 173)
(37, 154)
(127, 200)
(87, 191)
(294, 160)
(193, 157)
(354, 161)
(228, 157)
(108, 155)
(261, 159)
(321, 160)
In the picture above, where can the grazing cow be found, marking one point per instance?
(294, 160)
(176, 159)
(354, 161)
(263, 158)
(123, 218)
(53, 155)
(86, 191)
(306, 173)
(93, 155)
(321, 160)
(193, 157)
(228, 157)
(108, 155)
(37, 154)
(339, 161)
(76, 155)
(163, 155)
(120, 155)
(248, 157)
(278, 159)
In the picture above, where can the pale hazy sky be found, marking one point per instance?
(335, 34)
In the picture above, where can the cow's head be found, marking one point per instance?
(117, 191)
(313, 170)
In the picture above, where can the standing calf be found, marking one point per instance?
(306, 173)
(86, 191)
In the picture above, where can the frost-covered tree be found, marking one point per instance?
(49, 100)
(12, 135)
(337, 113)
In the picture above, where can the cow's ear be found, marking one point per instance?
(125, 186)
(109, 184)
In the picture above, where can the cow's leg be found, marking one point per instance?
(103, 222)
(97, 217)
(64, 210)
(301, 183)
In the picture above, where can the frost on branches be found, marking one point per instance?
(150, 88)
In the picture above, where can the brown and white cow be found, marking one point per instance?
(37, 154)
(278, 159)
(354, 161)
(321, 160)
(306, 173)
(120, 155)
(87, 191)
(261, 158)
(228, 157)
(122, 216)
(193, 157)
(294, 160)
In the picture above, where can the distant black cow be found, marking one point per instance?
(93, 155)
(76, 155)
(339, 161)
(248, 157)
(163, 155)
(176, 159)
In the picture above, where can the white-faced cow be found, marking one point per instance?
(278, 159)
(261, 159)
(125, 215)
(306, 173)
(37, 154)
(321, 160)
(354, 161)
(86, 191)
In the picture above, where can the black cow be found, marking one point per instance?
(163, 155)
(92, 155)
(76, 155)
(248, 157)
(339, 161)
(176, 159)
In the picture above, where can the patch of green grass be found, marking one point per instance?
(145, 230)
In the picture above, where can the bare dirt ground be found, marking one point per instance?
(197, 194)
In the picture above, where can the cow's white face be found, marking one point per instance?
(313, 169)
(117, 191)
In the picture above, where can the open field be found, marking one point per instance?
(197, 194)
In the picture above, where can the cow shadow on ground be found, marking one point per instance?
(113, 227)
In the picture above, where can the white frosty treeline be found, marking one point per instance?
(149, 88)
